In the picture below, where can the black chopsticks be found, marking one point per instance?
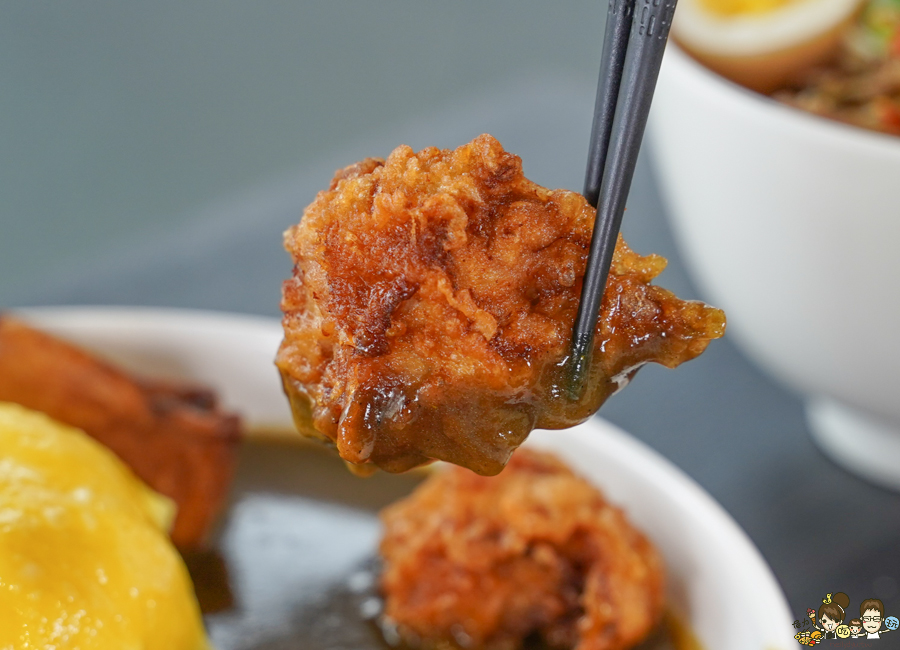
(636, 35)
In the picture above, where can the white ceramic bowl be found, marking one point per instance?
(791, 224)
(718, 579)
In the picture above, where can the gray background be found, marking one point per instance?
(152, 154)
(117, 118)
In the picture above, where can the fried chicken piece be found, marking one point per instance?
(485, 562)
(431, 308)
(175, 438)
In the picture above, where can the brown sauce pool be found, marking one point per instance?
(293, 563)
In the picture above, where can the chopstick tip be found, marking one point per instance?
(578, 367)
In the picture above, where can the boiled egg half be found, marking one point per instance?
(762, 44)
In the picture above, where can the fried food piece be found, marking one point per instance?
(431, 309)
(175, 438)
(84, 557)
(479, 562)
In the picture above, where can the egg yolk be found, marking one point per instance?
(731, 8)
(85, 561)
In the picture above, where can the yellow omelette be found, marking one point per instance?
(85, 561)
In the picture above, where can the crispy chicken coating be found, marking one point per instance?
(431, 309)
(175, 438)
(486, 562)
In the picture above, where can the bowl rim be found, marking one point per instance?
(724, 90)
(716, 552)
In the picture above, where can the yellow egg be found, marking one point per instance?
(762, 44)
(85, 561)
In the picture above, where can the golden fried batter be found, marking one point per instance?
(432, 304)
(484, 562)
(175, 438)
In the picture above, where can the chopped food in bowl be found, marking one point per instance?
(836, 58)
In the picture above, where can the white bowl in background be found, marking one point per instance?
(716, 575)
(791, 224)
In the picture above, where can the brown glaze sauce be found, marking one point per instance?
(278, 466)
(430, 311)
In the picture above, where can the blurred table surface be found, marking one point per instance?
(730, 427)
